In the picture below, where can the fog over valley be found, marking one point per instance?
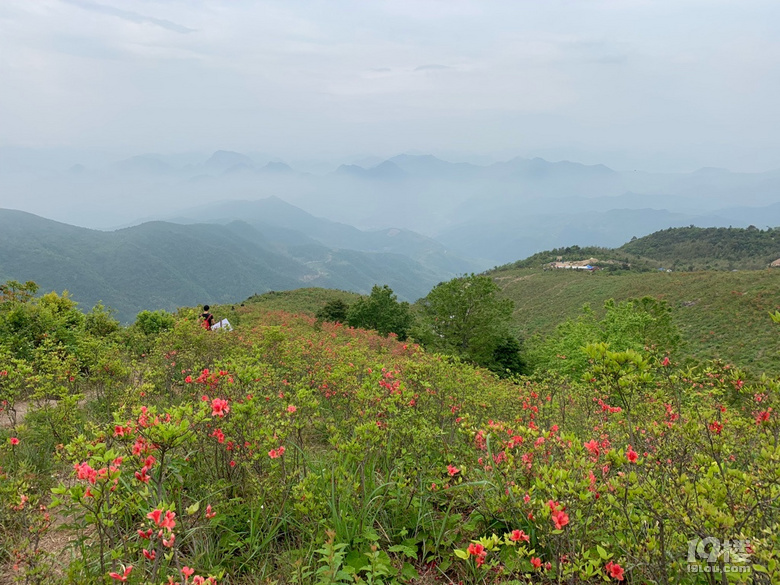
(343, 145)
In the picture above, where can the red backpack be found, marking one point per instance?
(207, 319)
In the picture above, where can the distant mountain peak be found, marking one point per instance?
(222, 160)
(277, 167)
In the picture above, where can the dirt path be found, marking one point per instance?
(55, 543)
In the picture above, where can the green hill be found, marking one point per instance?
(720, 314)
(694, 248)
(688, 248)
(160, 265)
(305, 301)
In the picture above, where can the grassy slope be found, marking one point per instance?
(302, 301)
(721, 314)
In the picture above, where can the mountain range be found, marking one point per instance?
(488, 214)
(164, 265)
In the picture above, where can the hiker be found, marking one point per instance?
(207, 319)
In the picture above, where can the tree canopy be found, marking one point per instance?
(466, 317)
(381, 312)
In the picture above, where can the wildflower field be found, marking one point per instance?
(294, 451)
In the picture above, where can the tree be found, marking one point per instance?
(381, 312)
(154, 322)
(465, 317)
(334, 311)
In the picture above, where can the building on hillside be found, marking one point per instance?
(775, 264)
(588, 264)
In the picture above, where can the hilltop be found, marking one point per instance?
(685, 248)
(721, 314)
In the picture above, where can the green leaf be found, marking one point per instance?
(409, 572)
(461, 554)
(193, 509)
(602, 553)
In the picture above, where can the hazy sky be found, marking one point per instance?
(662, 84)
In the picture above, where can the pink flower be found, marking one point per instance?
(187, 572)
(478, 551)
(209, 513)
(219, 407)
(14, 441)
(452, 470)
(631, 454)
(292, 408)
(593, 447)
(614, 570)
(517, 535)
(276, 453)
(560, 519)
(123, 577)
(155, 516)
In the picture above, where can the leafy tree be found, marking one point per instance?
(465, 317)
(153, 322)
(507, 359)
(27, 321)
(381, 312)
(334, 311)
(100, 321)
(13, 290)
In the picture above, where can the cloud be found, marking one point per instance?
(129, 16)
(431, 67)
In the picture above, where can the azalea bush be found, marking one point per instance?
(296, 451)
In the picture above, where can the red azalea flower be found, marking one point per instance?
(615, 571)
(517, 535)
(560, 519)
(123, 577)
(536, 562)
(631, 454)
(452, 470)
(476, 549)
(155, 516)
(14, 441)
(169, 522)
(219, 407)
(593, 447)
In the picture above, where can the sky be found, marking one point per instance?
(663, 85)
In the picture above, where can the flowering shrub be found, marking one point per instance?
(308, 452)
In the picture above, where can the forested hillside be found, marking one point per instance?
(161, 265)
(695, 248)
